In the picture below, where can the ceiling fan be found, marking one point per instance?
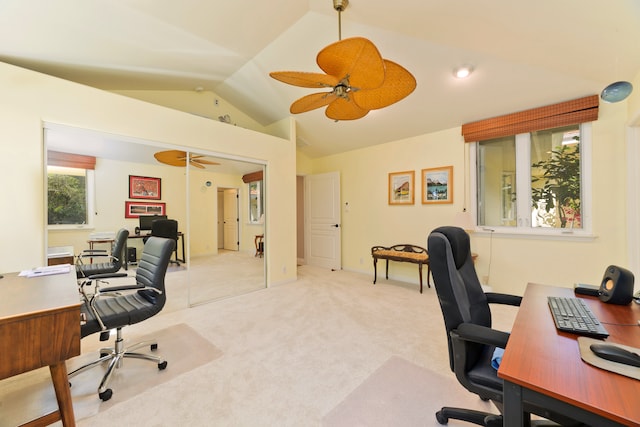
(179, 158)
(359, 78)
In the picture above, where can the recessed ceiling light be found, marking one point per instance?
(463, 71)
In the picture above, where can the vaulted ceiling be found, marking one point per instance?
(525, 54)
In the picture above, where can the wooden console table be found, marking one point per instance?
(400, 253)
(40, 326)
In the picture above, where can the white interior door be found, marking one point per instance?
(322, 220)
(231, 228)
(220, 220)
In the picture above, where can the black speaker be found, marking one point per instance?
(132, 256)
(137, 230)
(616, 286)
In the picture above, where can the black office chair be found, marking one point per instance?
(167, 228)
(467, 318)
(118, 306)
(109, 264)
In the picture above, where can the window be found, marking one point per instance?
(255, 186)
(256, 201)
(70, 190)
(68, 196)
(534, 182)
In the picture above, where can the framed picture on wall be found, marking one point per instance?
(144, 187)
(437, 185)
(135, 209)
(401, 188)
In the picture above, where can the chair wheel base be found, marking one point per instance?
(440, 417)
(154, 346)
(105, 395)
(162, 365)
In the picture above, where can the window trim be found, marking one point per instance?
(520, 230)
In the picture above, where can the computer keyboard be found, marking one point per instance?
(574, 316)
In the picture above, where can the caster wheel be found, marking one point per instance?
(441, 418)
(154, 347)
(104, 354)
(105, 395)
(162, 366)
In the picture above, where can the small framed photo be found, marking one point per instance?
(135, 209)
(401, 188)
(437, 185)
(144, 187)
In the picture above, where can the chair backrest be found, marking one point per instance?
(461, 297)
(152, 268)
(118, 247)
(167, 228)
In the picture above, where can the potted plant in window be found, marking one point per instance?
(560, 187)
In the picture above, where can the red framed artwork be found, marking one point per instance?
(135, 209)
(144, 187)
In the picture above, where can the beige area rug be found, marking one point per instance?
(182, 347)
(400, 393)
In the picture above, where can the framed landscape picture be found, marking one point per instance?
(401, 188)
(135, 209)
(144, 187)
(437, 185)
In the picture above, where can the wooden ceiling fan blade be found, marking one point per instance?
(345, 109)
(196, 164)
(398, 84)
(304, 79)
(171, 157)
(311, 102)
(356, 58)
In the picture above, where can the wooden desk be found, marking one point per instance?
(40, 326)
(543, 366)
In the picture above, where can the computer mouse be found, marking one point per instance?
(616, 354)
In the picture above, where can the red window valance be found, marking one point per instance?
(57, 158)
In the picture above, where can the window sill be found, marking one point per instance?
(565, 235)
(69, 227)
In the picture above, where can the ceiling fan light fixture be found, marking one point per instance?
(463, 72)
(616, 92)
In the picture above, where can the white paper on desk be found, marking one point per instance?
(46, 271)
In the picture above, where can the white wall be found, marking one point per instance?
(512, 261)
(30, 98)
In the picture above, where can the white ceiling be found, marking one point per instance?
(526, 53)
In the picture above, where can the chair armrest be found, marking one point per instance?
(482, 335)
(495, 298)
(92, 251)
(106, 276)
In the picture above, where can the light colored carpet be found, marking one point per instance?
(400, 393)
(293, 353)
(180, 345)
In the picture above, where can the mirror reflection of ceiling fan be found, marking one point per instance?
(179, 158)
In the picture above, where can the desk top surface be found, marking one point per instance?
(22, 296)
(541, 358)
